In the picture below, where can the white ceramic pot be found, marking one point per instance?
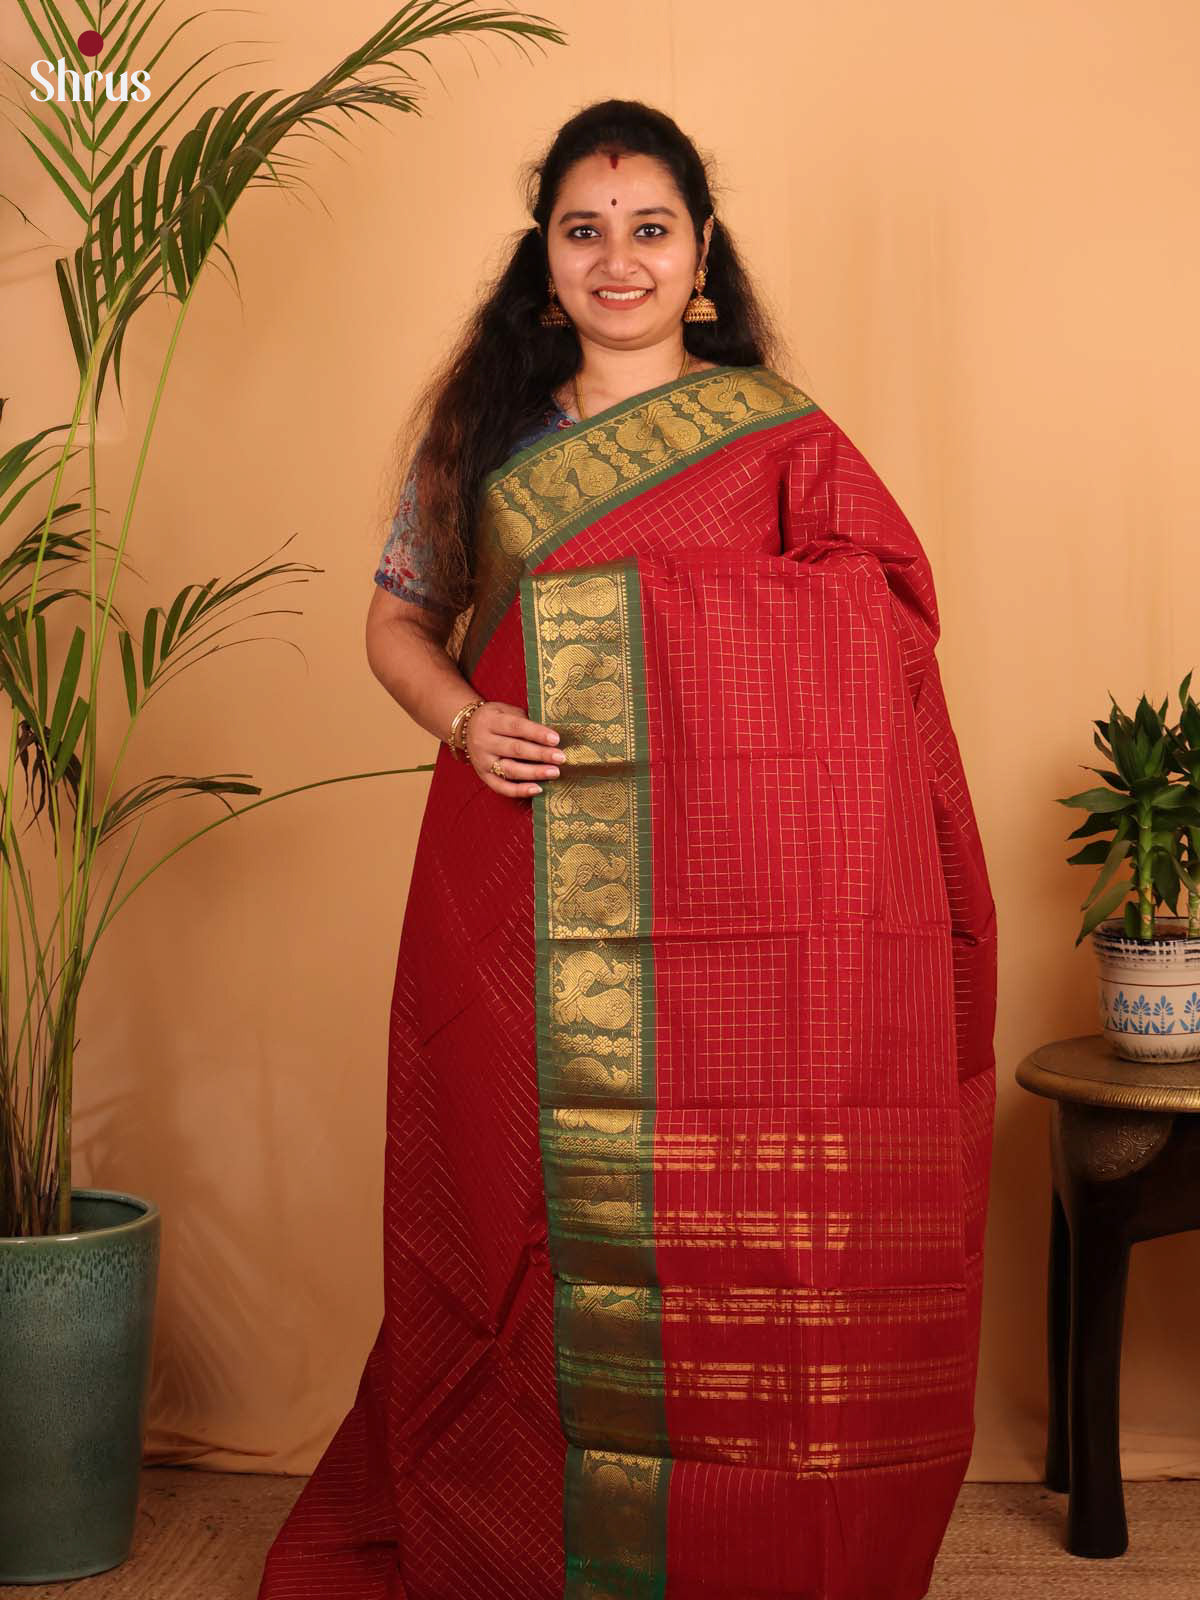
(1149, 990)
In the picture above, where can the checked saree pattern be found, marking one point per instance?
(691, 1078)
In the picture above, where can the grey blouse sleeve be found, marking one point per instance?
(404, 567)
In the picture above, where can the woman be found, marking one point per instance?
(691, 1076)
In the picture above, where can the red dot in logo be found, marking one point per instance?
(90, 43)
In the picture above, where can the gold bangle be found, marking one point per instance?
(458, 729)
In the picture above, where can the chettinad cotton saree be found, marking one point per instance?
(691, 1079)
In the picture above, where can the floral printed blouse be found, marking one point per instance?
(401, 563)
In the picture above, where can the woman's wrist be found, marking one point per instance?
(456, 738)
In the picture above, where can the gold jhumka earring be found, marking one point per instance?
(700, 308)
(552, 315)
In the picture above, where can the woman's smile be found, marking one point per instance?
(620, 297)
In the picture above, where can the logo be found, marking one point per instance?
(62, 82)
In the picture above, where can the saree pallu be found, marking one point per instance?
(691, 1080)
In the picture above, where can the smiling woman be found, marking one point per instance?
(623, 276)
(525, 348)
(690, 1079)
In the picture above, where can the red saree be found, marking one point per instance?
(691, 1078)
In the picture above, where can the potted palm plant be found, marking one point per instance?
(1149, 964)
(78, 1267)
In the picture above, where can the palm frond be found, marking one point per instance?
(155, 196)
(162, 230)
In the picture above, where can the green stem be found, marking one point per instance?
(1145, 893)
(232, 816)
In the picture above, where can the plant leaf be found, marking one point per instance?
(1097, 800)
(1102, 908)
(66, 689)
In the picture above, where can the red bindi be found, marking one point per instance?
(614, 159)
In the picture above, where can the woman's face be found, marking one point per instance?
(623, 227)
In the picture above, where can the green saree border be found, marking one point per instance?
(539, 499)
(609, 414)
(583, 638)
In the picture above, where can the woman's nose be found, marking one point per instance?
(618, 259)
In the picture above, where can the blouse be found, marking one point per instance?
(403, 564)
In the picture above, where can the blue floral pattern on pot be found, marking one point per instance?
(1139, 1016)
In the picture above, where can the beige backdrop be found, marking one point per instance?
(979, 228)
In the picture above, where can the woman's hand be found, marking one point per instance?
(526, 749)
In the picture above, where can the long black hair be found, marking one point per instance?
(506, 365)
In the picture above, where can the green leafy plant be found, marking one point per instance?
(1153, 815)
(152, 213)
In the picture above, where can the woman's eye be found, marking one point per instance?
(583, 227)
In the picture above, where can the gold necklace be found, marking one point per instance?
(579, 403)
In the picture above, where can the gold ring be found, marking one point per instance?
(495, 767)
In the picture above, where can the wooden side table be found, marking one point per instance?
(1125, 1166)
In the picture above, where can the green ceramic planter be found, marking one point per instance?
(76, 1336)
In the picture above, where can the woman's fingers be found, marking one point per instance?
(511, 722)
(525, 750)
(514, 777)
(520, 768)
(517, 791)
(525, 769)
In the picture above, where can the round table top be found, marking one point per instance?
(1088, 1069)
